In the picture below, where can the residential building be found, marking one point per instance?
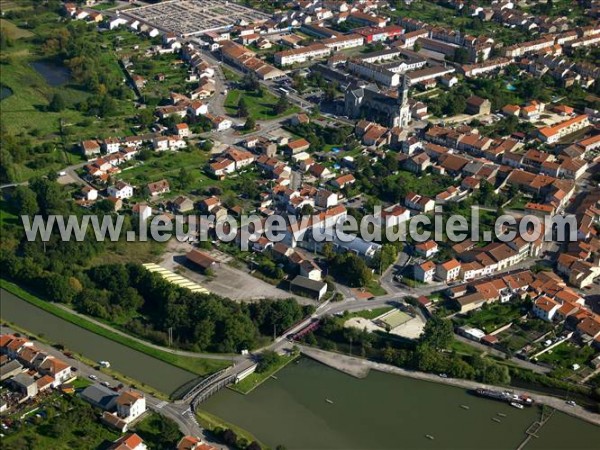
(120, 190)
(131, 405)
(425, 272)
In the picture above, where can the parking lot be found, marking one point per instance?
(236, 284)
(191, 17)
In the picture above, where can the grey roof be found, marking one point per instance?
(100, 396)
(10, 366)
(23, 379)
(307, 283)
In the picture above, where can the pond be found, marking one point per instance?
(5, 92)
(54, 74)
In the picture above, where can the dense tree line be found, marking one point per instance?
(203, 322)
(129, 295)
(429, 354)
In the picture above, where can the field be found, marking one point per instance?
(395, 318)
(493, 316)
(260, 107)
(255, 379)
(567, 354)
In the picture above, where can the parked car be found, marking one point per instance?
(93, 377)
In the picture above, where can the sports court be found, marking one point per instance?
(393, 318)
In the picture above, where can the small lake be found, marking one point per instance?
(5, 91)
(54, 74)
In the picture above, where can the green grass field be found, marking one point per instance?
(396, 318)
(259, 107)
(255, 379)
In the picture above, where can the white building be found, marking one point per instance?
(131, 405)
(120, 190)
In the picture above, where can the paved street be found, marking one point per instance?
(180, 413)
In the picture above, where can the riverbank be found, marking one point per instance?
(214, 424)
(196, 365)
(359, 368)
(255, 379)
(136, 384)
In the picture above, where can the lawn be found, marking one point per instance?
(260, 107)
(13, 31)
(491, 317)
(66, 423)
(567, 354)
(198, 366)
(255, 379)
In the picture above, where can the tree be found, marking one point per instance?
(416, 47)
(206, 145)
(250, 124)
(461, 55)
(438, 333)
(25, 201)
(242, 107)
(282, 105)
(57, 103)
(184, 178)
(268, 359)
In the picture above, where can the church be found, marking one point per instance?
(372, 104)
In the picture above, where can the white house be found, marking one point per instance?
(111, 145)
(197, 108)
(425, 272)
(427, 248)
(142, 210)
(56, 368)
(221, 123)
(120, 190)
(545, 308)
(394, 215)
(89, 193)
(131, 405)
(448, 271)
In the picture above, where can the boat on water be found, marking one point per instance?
(495, 419)
(516, 405)
(274, 377)
(501, 414)
(504, 396)
(428, 436)
(465, 407)
(329, 401)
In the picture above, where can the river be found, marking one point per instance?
(151, 371)
(385, 411)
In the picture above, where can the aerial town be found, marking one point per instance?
(219, 119)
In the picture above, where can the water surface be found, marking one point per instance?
(54, 74)
(385, 411)
(151, 371)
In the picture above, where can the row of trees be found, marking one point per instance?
(203, 322)
(429, 354)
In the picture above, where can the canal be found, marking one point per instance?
(153, 372)
(385, 411)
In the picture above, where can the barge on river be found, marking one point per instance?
(504, 396)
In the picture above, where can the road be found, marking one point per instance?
(180, 413)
